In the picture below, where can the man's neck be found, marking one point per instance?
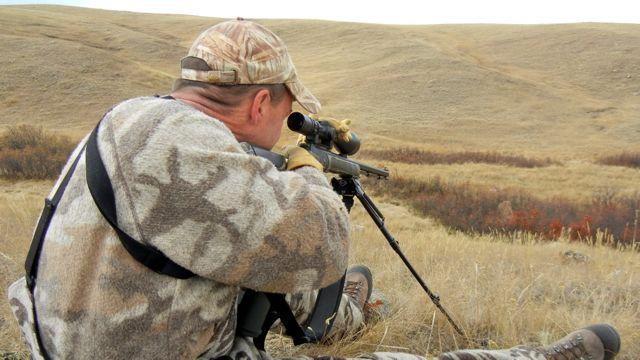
(207, 106)
(201, 103)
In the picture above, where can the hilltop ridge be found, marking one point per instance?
(568, 90)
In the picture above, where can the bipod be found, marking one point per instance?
(348, 187)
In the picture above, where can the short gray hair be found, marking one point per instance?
(226, 96)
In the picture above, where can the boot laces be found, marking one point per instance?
(352, 289)
(570, 350)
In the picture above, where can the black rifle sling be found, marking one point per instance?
(33, 257)
(258, 311)
(50, 205)
(324, 312)
(102, 194)
(281, 307)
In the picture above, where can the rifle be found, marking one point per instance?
(320, 139)
(331, 162)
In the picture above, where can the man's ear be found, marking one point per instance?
(260, 106)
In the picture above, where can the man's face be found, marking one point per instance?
(268, 133)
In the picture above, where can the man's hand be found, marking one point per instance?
(298, 157)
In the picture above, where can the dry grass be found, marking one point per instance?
(575, 180)
(476, 209)
(509, 290)
(563, 91)
(29, 152)
(425, 157)
(20, 205)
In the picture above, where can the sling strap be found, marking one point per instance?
(258, 311)
(33, 256)
(102, 194)
(50, 205)
(324, 312)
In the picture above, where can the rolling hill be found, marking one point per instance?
(569, 91)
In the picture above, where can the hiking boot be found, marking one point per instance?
(595, 342)
(358, 284)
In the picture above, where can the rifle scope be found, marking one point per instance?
(321, 133)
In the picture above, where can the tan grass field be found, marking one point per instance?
(506, 291)
(574, 180)
(567, 92)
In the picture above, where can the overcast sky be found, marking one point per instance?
(386, 12)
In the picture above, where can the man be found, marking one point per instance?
(183, 185)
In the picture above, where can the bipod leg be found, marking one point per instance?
(377, 217)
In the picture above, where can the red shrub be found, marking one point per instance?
(477, 209)
(555, 229)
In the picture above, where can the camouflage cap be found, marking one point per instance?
(243, 52)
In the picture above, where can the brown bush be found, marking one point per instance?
(18, 137)
(29, 152)
(627, 159)
(414, 156)
(475, 209)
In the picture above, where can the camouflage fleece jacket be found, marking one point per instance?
(184, 185)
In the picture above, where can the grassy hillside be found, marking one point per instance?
(566, 90)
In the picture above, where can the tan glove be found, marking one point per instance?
(341, 126)
(298, 157)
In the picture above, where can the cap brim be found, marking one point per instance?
(304, 97)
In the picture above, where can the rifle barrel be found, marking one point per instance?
(372, 170)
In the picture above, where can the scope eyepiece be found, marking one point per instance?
(322, 133)
(302, 124)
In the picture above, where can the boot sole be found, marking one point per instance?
(367, 274)
(609, 337)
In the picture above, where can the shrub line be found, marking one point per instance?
(626, 159)
(424, 157)
(476, 209)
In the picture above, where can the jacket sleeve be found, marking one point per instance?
(229, 216)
